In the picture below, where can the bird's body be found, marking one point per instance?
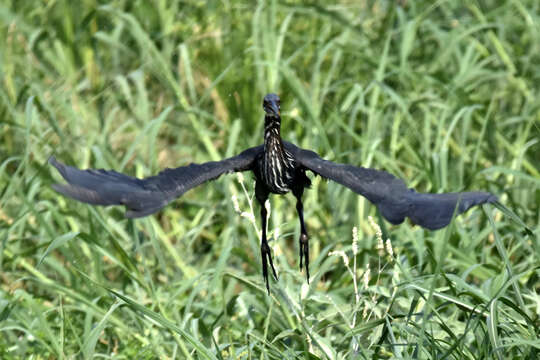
(275, 167)
(279, 167)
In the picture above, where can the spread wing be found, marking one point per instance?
(390, 194)
(142, 197)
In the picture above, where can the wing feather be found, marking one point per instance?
(142, 197)
(390, 194)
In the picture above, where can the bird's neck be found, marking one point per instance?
(272, 134)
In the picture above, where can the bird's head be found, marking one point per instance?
(271, 105)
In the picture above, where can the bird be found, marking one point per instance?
(279, 167)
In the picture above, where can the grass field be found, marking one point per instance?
(444, 94)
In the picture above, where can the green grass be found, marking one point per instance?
(443, 94)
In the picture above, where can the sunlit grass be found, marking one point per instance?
(442, 94)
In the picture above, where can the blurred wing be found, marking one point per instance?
(144, 196)
(390, 194)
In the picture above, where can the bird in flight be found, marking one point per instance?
(279, 167)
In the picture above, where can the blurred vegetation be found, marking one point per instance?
(443, 94)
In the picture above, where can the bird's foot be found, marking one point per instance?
(304, 252)
(267, 258)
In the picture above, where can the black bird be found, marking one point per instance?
(279, 167)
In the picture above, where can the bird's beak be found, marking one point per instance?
(273, 108)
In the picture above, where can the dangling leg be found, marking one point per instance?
(262, 195)
(303, 242)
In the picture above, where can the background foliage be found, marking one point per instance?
(444, 94)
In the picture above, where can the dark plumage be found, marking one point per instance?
(279, 167)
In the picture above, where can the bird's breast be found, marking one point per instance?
(278, 170)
